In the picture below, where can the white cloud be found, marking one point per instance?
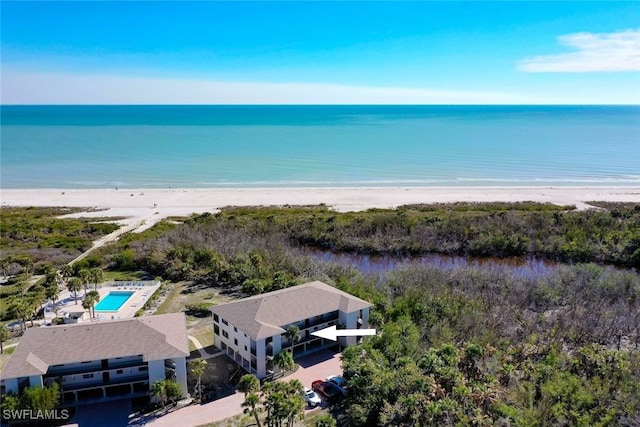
(45, 88)
(605, 52)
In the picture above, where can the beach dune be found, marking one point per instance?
(147, 206)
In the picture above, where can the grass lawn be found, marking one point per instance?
(202, 331)
(172, 301)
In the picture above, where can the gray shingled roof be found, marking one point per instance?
(264, 315)
(154, 337)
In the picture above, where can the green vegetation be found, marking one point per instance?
(476, 345)
(282, 402)
(166, 391)
(393, 381)
(197, 368)
(251, 247)
(36, 399)
(248, 384)
(284, 361)
(39, 234)
(325, 420)
(37, 241)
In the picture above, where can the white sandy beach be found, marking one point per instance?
(144, 207)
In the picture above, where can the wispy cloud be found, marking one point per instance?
(604, 52)
(45, 88)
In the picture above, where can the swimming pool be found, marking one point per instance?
(113, 301)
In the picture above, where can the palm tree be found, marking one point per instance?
(52, 292)
(27, 265)
(87, 304)
(284, 361)
(65, 272)
(4, 335)
(74, 284)
(248, 384)
(39, 294)
(5, 263)
(293, 335)
(85, 276)
(250, 404)
(20, 310)
(325, 420)
(283, 401)
(159, 390)
(23, 285)
(197, 368)
(90, 300)
(51, 277)
(33, 303)
(97, 275)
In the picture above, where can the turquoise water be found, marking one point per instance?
(113, 301)
(243, 146)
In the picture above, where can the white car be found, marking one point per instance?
(311, 397)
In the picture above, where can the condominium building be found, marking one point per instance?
(100, 361)
(252, 330)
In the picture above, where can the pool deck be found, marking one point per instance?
(142, 291)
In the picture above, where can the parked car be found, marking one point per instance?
(339, 382)
(327, 389)
(311, 397)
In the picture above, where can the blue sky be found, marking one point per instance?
(357, 52)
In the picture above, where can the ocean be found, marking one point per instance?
(318, 146)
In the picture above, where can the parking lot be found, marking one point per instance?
(313, 367)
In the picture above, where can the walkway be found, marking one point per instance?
(203, 353)
(110, 238)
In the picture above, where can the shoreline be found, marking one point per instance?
(148, 206)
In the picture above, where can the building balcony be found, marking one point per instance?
(97, 371)
(60, 371)
(99, 382)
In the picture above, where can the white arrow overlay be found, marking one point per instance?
(331, 333)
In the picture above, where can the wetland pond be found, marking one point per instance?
(526, 267)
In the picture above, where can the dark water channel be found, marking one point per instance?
(379, 264)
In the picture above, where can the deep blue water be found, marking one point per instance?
(227, 146)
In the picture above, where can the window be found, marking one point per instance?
(216, 318)
(224, 322)
(225, 334)
(86, 362)
(216, 329)
(119, 371)
(235, 341)
(245, 348)
(235, 329)
(87, 376)
(143, 368)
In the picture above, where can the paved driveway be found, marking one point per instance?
(107, 414)
(315, 366)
